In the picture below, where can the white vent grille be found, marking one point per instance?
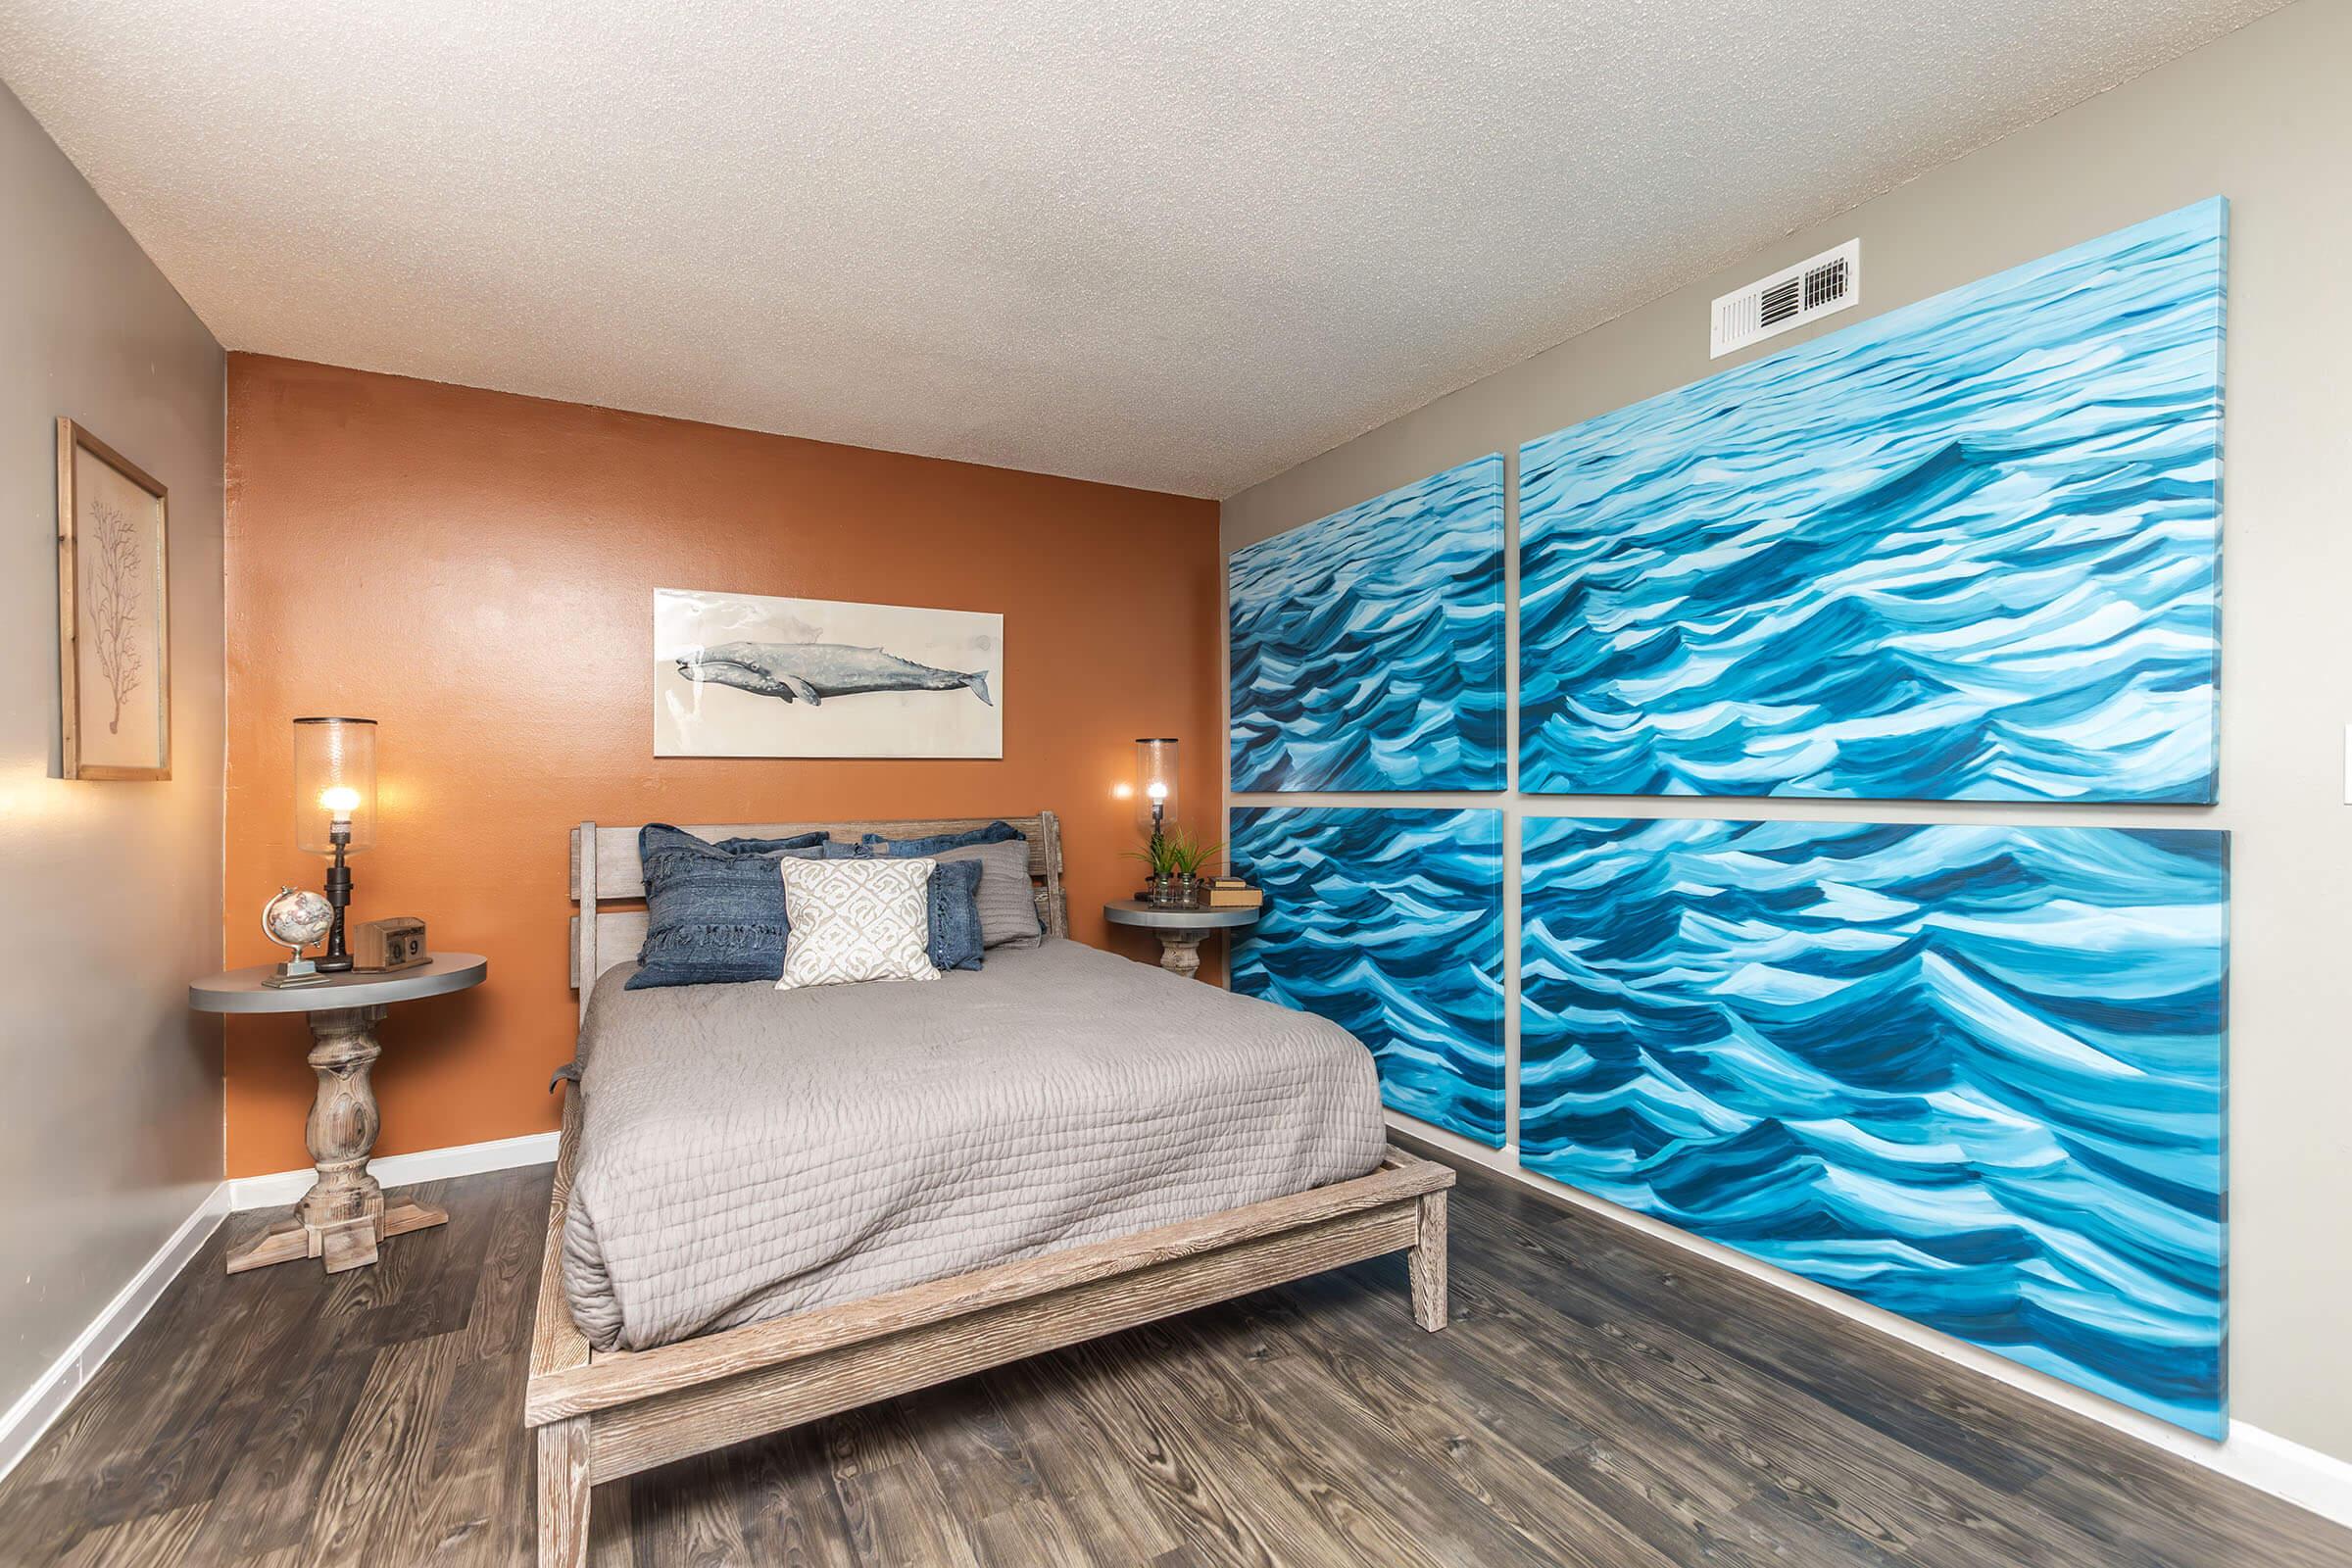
(1791, 297)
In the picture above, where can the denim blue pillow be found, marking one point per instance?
(903, 849)
(816, 846)
(711, 916)
(955, 890)
(798, 840)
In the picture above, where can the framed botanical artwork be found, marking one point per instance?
(114, 614)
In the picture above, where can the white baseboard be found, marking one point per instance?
(283, 1187)
(54, 1389)
(2303, 1476)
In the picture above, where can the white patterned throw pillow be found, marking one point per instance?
(855, 920)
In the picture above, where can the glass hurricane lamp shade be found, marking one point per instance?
(1154, 784)
(334, 808)
(335, 784)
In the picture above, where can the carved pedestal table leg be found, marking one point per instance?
(343, 1216)
(1180, 952)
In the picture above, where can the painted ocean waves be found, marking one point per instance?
(1971, 1075)
(1390, 924)
(1367, 647)
(1967, 550)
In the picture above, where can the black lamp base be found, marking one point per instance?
(337, 960)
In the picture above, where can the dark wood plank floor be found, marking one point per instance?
(1600, 1400)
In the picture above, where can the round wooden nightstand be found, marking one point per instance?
(343, 1217)
(1179, 930)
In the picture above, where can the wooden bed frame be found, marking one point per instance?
(601, 1415)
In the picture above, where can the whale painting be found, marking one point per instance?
(810, 673)
(745, 676)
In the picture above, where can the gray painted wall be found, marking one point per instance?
(110, 894)
(2260, 117)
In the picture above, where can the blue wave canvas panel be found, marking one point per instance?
(1390, 924)
(1971, 1075)
(1367, 647)
(1968, 550)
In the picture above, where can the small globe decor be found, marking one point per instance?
(295, 918)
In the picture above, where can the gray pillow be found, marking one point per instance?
(1007, 899)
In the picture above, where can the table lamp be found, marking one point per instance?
(334, 808)
(1154, 784)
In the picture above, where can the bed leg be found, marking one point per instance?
(1426, 1263)
(564, 1493)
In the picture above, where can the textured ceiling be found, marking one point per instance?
(1180, 245)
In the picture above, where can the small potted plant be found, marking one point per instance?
(1190, 857)
(1174, 859)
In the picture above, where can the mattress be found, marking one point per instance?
(745, 1152)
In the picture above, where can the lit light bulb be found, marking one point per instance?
(340, 802)
(1158, 790)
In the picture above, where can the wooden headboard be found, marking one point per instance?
(604, 871)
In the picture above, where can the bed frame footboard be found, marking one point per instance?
(603, 1415)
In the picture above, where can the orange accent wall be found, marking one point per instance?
(475, 571)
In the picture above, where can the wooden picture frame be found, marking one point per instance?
(754, 676)
(114, 614)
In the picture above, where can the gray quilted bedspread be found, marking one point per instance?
(745, 1152)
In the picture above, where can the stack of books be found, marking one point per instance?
(1229, 892)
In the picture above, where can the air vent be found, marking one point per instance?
(1791, 297)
